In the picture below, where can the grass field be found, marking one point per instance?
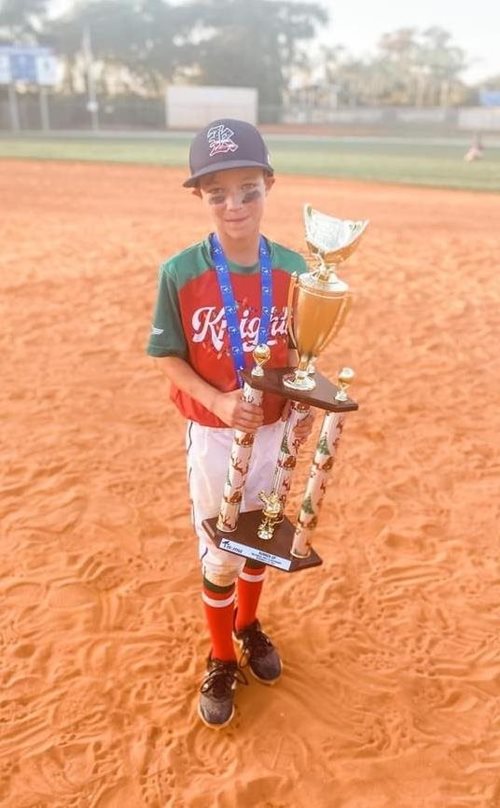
(438, 164)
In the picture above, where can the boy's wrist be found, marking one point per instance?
(213, 400)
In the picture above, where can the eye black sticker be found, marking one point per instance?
(251, 196)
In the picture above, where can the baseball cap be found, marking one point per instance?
(223, 144)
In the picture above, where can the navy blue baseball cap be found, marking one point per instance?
(223, 144)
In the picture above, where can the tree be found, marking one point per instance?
(323, 447)
(230, 42)
(427, 63)
(251, 43)
(307, 505)
(22, 20)
(410, 67)
(491, 83)
(443, 61)
(132, 37)
(399, 52)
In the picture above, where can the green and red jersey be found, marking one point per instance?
(189, 321)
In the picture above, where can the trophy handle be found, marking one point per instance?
(291, 289)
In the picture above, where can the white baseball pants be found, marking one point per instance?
(208, 453)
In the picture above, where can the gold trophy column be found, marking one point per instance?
(323, 461)
(241, 452)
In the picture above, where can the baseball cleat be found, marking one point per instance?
(216, 704)
(259, 653)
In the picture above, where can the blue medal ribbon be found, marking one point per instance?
(230, 306)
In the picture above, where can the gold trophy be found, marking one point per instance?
(318, 304)
(319, 300)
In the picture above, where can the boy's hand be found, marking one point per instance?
(304, 427)
(237, 413)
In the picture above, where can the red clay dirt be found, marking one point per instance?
(391, 649)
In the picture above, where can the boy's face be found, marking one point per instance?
(235, 199)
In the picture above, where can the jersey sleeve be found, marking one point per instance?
(167, 334)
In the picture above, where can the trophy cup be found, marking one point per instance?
(318, 304)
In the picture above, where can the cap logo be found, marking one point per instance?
(220, 140)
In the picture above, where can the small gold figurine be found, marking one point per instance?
(261, 355)
(344, 380)
(271, 513)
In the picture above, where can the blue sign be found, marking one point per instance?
(489, 98)
(23, 63)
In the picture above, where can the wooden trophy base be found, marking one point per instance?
(274, 552)
(322, 396)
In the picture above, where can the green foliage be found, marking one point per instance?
(22, 20)
(138, 36)
(307, 506)
(233, 42)
(253, 44)
(410, 67)
(141, 45)
(322, 447)
(493, 83)
(404, 162)
(284, 444)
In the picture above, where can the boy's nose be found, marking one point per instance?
(234, 200)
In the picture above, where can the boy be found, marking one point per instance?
(216, 301)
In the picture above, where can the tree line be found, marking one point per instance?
(140, 46)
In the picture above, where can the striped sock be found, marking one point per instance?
(219, 612)
(250, 583)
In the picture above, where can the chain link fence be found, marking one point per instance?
(47, 111)
(53, 112)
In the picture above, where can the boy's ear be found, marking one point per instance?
(269, 182)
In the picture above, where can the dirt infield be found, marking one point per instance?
(390, 697)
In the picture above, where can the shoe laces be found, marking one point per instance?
(220, 679)
(256, 644)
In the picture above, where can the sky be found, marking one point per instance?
(473, 24)
(358, 25)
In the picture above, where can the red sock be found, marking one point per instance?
(250, 584)
(219, 612)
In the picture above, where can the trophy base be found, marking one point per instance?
(323, 395)
(275, 552)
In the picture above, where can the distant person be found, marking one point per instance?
(216, 301)
(475, 150)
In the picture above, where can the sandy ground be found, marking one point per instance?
(391, 648)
